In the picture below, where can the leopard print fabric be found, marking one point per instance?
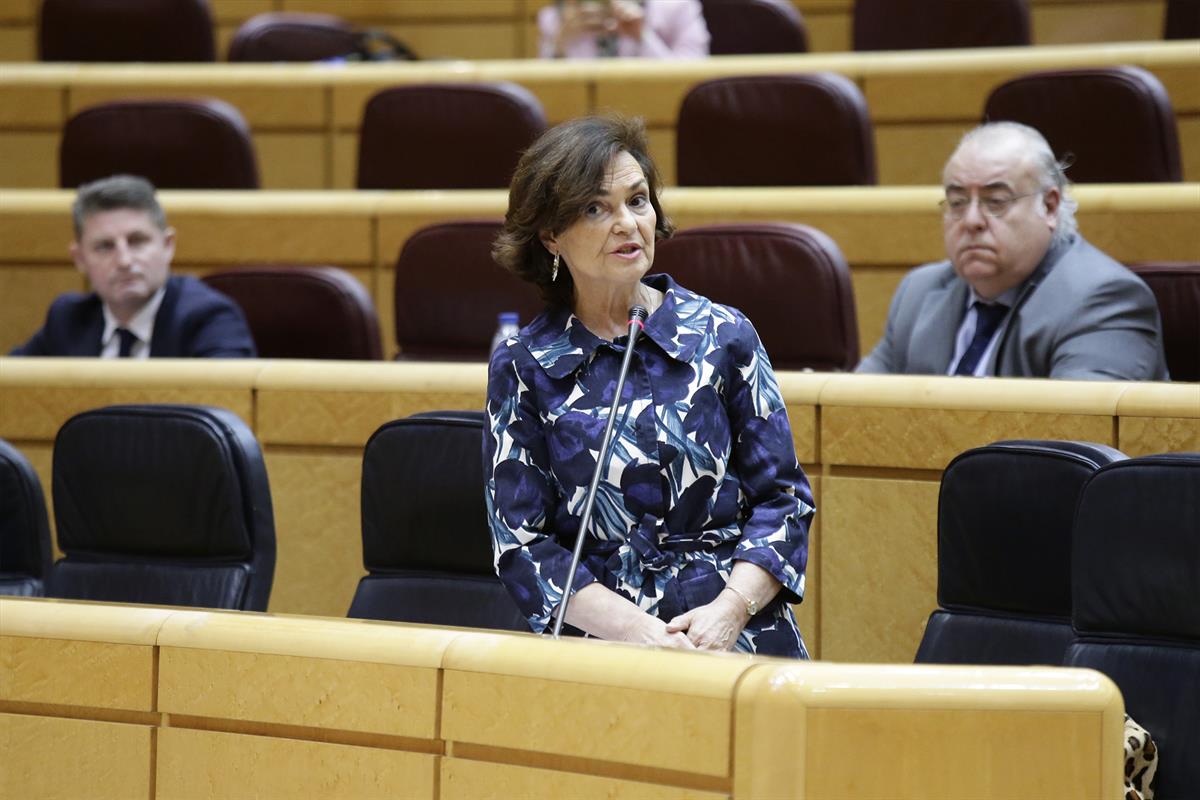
(1141, 762)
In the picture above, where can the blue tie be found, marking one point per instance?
(127, 341)
(987, 319)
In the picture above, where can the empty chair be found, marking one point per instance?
(426, 542)
(290, 36)
(1182, 19)
(784, 130)
(754, 26)
(24, 529)
(446, 135)
(164, 504)
(304, 312)
(1176, 287)
(125, 30)
(1114, 124)
(791, 280)
(449, 292)
(175, 144)
(931, 24)
(1004, 552)
(1136, 592)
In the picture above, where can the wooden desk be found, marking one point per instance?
(170, 703)
(305, 117)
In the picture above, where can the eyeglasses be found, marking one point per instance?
(994, 205)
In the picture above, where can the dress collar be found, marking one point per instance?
(560, 343)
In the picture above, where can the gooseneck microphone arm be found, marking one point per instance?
(637, 315)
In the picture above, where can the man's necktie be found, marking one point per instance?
(987, 319)
(127, 341)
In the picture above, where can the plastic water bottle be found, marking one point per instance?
(507, 324)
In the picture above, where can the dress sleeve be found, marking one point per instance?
(778, 503)
(520, 494)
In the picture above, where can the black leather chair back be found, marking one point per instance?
(775, 130)
(1004, 552)
(163, 504)
(1114, 124)
(747, 27)
(446, 135)
(933, 24)
(426, 542)
(125, 30)
(767, 270)
(1182, 20)
(25, 552)
(304, 312)
(175, 144)
(1136, 592)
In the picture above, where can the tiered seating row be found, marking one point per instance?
(505, 28)
(306, 118)
(872, 446)
(162, 703)
(883, 233)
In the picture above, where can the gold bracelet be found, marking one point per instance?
(751, 605)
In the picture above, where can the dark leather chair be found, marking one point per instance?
(304, 312)
(791, 280)
(162, 504)
(426, 541)
(25, 551)
(449, 292)
(1004, 552)
(1115, 124)
(742, 27)
(933, 24)
(446, 135)
(784, 130)
(175, 144)
(125, 30)
(1182, 19)
(1176, 286)
(1136, 593)
(292, 36)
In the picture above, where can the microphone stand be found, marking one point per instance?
(637, 315)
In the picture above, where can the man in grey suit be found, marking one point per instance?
(1022, 293)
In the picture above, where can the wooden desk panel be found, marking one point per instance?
(883, 232)
(920, 103)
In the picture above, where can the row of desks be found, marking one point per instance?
(480, 29)
(305, 118)
(883, 232)
(873, 447)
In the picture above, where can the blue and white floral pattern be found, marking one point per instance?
(703, 471)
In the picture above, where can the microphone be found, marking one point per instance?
(637, 316)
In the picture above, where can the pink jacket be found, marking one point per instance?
(671, 29)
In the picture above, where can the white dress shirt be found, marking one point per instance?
(141, 326)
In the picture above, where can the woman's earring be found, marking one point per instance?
(554, 269)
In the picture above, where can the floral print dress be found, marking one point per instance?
(703, 471)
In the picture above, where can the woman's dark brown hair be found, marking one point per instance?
(556, 179)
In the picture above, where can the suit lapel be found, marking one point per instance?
(932, 344)
(164, 340)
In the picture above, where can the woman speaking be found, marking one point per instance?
(699, 535)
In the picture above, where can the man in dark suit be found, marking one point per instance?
(136, 308)
(1022, 293)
